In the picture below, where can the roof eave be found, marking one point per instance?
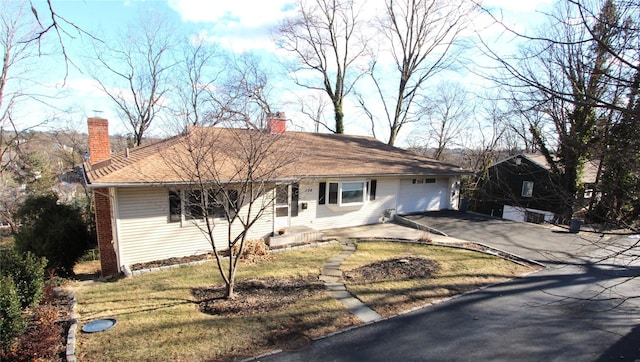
(173, 183)
(452, 174)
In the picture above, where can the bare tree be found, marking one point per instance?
(57, 24)
(570, 74)
(242, 97)
(18, 55)
(326, 39)
(135, 72)
(447, 112)
(228, 173)
(230, 178)
(484, 148)
(201, 67)
(422, 37)
(314, 107)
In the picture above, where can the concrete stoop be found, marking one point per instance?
(295, 235)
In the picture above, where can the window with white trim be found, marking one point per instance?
(214, 202)
(527, 188)
(194, 205)
(344, 193)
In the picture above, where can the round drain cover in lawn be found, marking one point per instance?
(99, 325)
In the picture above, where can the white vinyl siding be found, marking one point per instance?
(422, 194)
(144, 232)
(329, 216)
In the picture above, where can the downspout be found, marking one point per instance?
(115, 223)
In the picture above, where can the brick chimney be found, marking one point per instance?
(100, 150)
(99, 145)
(277, 122)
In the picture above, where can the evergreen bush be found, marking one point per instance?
(11, 321)
(27, 273)
(55, 231)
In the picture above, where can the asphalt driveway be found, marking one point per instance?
(571, 311)
(542, 243)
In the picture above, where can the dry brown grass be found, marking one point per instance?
(87, 268)
(459, 271)
(159, 319)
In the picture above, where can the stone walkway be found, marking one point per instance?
(332, 278)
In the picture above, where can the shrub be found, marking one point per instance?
(41, 340)
(11, 321)
(57, 232)
(253, 250)
(27, 273)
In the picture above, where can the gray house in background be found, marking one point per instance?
(522, 188)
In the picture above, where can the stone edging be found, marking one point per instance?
(73, 329)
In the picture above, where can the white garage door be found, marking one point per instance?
(422, 194)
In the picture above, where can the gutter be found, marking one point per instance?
(387, 175)
(174, 183)
(277, 180)
(84, 175)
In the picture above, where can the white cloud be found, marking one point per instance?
(246, 13)
(240, 39)
(239, 25)
(518, 5)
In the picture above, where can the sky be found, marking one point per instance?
(238, 25)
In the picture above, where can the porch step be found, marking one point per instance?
(295, 235)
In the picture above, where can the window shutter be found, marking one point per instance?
(175, 206)
(333, 192)
(295, 187)
(322, 192)
(373, 184)
(233, 199)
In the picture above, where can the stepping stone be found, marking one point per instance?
(332, 278)
(366, 314)
(341, 295)
(334, 265)
(332, 272)
(335, 286)
(329, 279)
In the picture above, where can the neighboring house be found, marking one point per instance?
(336, 181)
(521, 188)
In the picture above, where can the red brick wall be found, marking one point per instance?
(100, 150)
(99, 146)
(277, 123)
(108, 260)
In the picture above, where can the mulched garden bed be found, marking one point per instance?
(254, 296)
(409, 267)
(172, 261)
(45, 337)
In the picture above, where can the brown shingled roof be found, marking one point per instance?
(299, 155)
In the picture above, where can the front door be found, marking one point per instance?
(282, 207)
(286, 205)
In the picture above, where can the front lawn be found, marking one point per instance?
(458, 271)
(158, 317)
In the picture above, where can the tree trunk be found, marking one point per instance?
(392, 136)
(229, 293)
(339, 116)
